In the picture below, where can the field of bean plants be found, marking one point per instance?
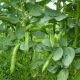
(39, 42)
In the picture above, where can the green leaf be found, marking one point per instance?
(71, 23)
(46, 42)
(51, 13)
(61, 17)
(13, 19)
(63, 75)
(10, 19)
(63, 42)
(44, 20)
(53, 69)
(68, 56)
(39, 0)
(76, 64)
(57, 54)
(2, 26)
(36, 10)
(19, 33)
(22, 46)
(36, 64)
(5, 43)
(77, 50)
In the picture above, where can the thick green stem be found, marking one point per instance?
(27, 41)
(65, 28)
(64, 22)
(76, 27)
(58, 5)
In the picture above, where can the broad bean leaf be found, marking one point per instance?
(63, 75)
(19, 33)
(63, 42)
(2, 26)
(53, 69)
(51, 13)
(61, 17)
(76, 63)
(71, 23)
(36, 10)
(44, 20)
(77, 50)
(39, 0)
(57, 54)
(68, 56)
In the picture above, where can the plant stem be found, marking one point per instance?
(58, 5)
(76, 27)
(64, 22)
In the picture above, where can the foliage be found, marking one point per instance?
(39, 43)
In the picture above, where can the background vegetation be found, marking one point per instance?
(39, 43)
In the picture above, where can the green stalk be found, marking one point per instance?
(76, 27)
(64, 22)
(27, 41)
(58, 5)
(65, 29)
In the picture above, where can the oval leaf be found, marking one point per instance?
(69, 55)
(57, 55)
(61, 17)
(36, 10)
(63, 75)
